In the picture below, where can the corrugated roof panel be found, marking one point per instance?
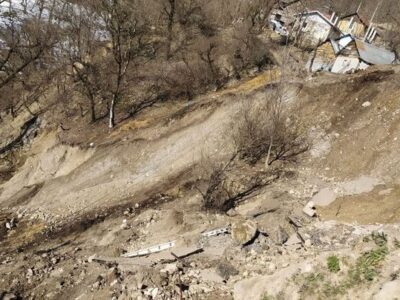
(374, 55)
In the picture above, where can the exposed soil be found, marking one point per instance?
(136, 187)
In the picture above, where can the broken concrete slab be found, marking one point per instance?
(324, 197)
(253, 209)
(293, 240)
(244, 231)
(309, 209)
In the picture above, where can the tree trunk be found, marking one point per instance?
(111, 122)
(269, 152)
(92, 111)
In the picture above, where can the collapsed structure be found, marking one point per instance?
(339, 44)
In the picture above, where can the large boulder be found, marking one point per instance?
(244, 232)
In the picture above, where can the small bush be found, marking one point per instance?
(333, 264)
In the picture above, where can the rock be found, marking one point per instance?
(226, 270)
(112, 275)
(90, 258)
(8, 296)
(124, 224)
(170, 269)
(280, 236)
(96, 285)
(231, 213)
(324, 197)
(366, 104)
(244, 231)
(29, 273)
(271, 268)
(210, 275)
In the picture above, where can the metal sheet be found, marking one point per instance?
(374, 55)
(150, 250)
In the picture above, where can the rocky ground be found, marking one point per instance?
(73, 214)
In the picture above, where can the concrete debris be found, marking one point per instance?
(324, 197)
(216, 232)
(309, 209)
(293, 240)
(244, 231)
(183, 252)
(150, 250)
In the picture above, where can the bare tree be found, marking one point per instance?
(83, 50)
(208, 56)
(169, 10)
(26, 44)
(125, 32)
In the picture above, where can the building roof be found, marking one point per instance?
(367, 52)
(374, 55)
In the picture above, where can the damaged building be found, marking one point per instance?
(348, 54)
(338, 44)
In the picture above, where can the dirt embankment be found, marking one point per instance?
(353, 122)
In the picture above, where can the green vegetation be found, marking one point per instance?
(333, 264)
(365, 269)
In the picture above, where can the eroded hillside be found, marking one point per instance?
(72, 211)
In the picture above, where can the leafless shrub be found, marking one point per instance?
(224, 184)
(265, 131)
